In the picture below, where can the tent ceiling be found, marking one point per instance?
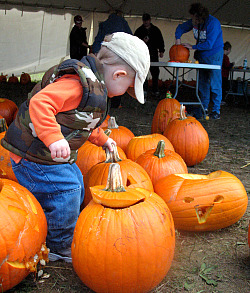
(229, 12)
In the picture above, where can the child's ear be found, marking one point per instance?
(119, 73)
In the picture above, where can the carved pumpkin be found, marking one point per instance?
(25, 78)
(23, 230)
(160, 162)
(140, 144)
(203, 202)
(7, 109)
(178, 53)
(120, 134)
(189, 138)
(90, 154)
(124, 239)
(13, 79)
(133, 174)
(167, 110)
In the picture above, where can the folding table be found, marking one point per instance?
(176, 66)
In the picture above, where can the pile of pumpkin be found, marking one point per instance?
(135, 198)
(24, 78)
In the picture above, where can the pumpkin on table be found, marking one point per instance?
(13, 79)
(133, 174)
(124, 239)
(140, 144)
(161, 162)
(167, 110)
(178, 53)
(23, 230)
(8, 110)
(120, 134)
(189, 138)
(25, 78)
(203, 202)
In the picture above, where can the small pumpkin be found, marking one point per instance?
(132, 173)
(8, 110)
(120, 134)
(189, 138)
(13, 79)
(23, 229)
(25, 78)
(3, 78)
(167, 110)
(160, 162)
(124, 239)
(178, 53)
(203, 202)
(140, 144)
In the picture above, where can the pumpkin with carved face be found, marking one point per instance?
(203, 202)
(23, 230)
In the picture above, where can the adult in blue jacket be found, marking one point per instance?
(209, 50)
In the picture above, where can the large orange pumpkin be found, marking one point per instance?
(160, 162)
(203, 202)
(167, 110)
(8, 109)
(140, 144)
(178, 53)
(90, 154)
(120, 134)
(124, 239)
(189, 138)
(23, 230)
(133, 174)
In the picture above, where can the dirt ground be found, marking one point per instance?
(217, 261)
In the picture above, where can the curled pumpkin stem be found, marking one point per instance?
(182, 112)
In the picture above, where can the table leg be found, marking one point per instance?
(176, 85)
(197, 94)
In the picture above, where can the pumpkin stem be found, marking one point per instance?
(3, 125)
(112, 157)
(114, 181)
(112, 123)
(169, 95)
(182, 112)
(159, 152)
(107, 132)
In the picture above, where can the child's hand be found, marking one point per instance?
(109, 144)
(60, 149)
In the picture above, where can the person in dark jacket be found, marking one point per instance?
(78, 39)
(226, 66)
(152, 36)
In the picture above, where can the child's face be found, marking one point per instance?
(227, 52)
(117, 81)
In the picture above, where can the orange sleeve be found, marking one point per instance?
(98, 137)
(63, 95)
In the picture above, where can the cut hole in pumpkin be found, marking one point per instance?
(202, 212)
(130, 181)
(219, 198)
(188, 199)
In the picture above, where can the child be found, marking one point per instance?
(226, 66)
(56, 121)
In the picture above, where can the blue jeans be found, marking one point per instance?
(60, 191)
(211, 81)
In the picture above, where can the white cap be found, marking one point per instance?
(134, 52)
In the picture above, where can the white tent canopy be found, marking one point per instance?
(34, 35)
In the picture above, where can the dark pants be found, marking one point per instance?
(155, 71)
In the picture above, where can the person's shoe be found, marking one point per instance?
(64, 255)
(206, 115)
(215, 116)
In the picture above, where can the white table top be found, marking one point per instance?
(185, 65)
